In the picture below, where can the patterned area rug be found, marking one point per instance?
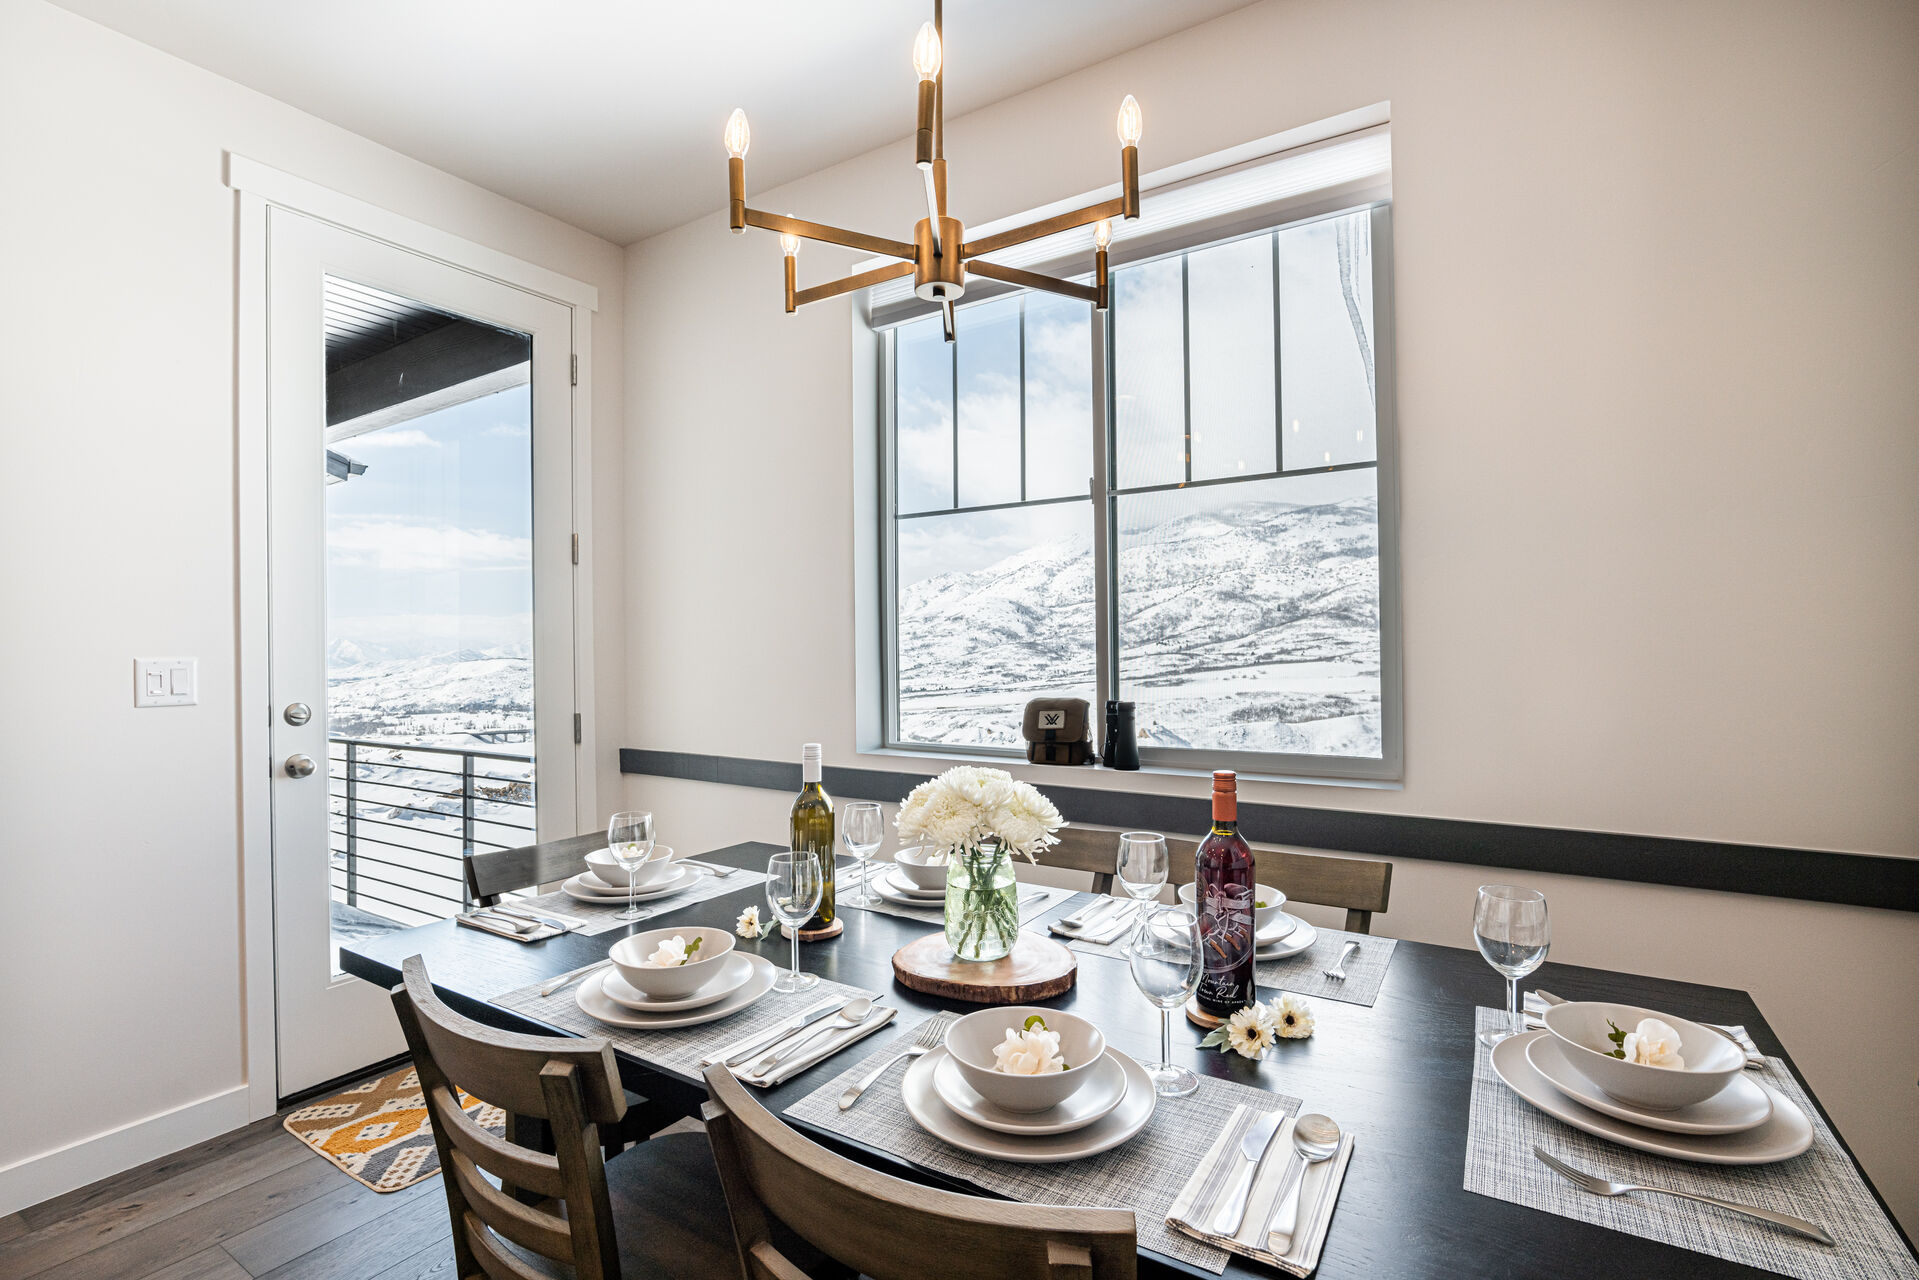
(378, 1133)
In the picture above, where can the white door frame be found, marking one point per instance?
(258, 186)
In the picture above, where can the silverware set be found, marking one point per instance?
(932, 1035)
(1600, 1187)
(1102, 921)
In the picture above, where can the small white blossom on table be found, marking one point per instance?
(1251, 1031)
(748, 925)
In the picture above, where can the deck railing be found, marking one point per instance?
(403, 816)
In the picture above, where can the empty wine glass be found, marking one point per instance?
(793, 888)
(863, 832)
(629, 838)
(1513, 932)
(1142, 863)
(1165, 957)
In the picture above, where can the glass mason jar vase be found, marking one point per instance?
(982, 903)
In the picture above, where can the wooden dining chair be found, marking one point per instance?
(780, 1184)
(654, 1211)
(492, 872)
(1359, 885)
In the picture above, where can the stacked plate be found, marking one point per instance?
(693, 992)
(1108, 1098)
(1710, 1111)
(1283, 936)
(589, 887)
(892, 885)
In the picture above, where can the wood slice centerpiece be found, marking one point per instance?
(1035, 969)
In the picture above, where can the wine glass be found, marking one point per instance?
(1513, 932)
(862, 830)
(1165, 958)
(629, 838)
(793, 888)
(1142, 863)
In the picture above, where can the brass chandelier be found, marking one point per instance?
(940, 256)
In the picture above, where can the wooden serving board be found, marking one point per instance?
(1037, 968)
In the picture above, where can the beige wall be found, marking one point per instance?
(119, 860)
(1655, 275)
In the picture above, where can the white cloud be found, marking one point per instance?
(401, 546)
(507, 431)
(388, 438)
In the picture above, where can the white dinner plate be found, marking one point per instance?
(1299, 938)
(1740, 1106)
(924, 1105)
(1280, 929)
(890, 894)
(734, 973)
(1785, 1134)
(1104, 1090)
(673, 882)
(591, 996)
(896, 881)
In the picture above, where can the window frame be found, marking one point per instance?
(1104, 494)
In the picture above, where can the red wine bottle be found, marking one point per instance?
(1224, 870)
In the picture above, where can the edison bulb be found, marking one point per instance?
(738, 136)
(789, 244)
(1103, 233)
(926, 52)
(1129, 122)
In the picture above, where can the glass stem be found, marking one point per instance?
(1512, 1006)
(1166, 1038)
(796, 949)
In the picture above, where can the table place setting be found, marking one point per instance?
(917, 891)
(1267, 1188)
(1536, 1002)
(1032, 1103)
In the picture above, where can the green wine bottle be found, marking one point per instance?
(812, 830)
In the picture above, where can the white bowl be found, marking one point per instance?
(1582, 1027)
(602, 864)
(913, 865)
(972, 1039)
(1262, 916)
(629, 956)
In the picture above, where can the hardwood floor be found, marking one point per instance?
(254, 1204)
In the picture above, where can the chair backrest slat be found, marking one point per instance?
(573, 1085)
(883, 1227)
(490, 873)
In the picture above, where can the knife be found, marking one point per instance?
(733, 1053)
(1259, 1136)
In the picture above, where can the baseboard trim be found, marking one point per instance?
(51, 1173)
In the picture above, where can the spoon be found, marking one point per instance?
(1315, 1138)
(851, 1014)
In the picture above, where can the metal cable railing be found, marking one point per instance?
(402, 817)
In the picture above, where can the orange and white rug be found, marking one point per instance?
(378, 1133)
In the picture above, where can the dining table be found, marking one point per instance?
(1398, 1075)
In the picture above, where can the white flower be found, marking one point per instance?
(1654, 1044)
(748, 925)
(1250, 1031)
(670, 954)
(1028, 1053)
(968, 806)
(1293, 1017)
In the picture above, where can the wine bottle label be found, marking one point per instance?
(1226, 928)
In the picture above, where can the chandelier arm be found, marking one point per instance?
(1034, 280)
(946, 319)
(933, 208)
(878, 275)
(1044, 227)
(830, 235)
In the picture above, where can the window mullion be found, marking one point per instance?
(1279, 398)
(1105, 556)
(1186, 358)
(1022, 399)
(952, 356)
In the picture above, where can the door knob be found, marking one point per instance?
(299, 766)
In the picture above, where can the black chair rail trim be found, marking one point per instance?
(1809, 875)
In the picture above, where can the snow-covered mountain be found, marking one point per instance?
(440, 699)
(1252, 627)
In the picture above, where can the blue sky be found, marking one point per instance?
(431, 549)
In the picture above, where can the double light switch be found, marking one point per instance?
(165, 682)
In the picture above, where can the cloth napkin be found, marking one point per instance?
(1200, 1198)
(494, 925)
(1107, 929)
(822, 1050)
(1534, 1009)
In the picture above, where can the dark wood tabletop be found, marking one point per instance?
(1397, 1075)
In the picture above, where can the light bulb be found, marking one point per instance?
(1103, 233)
(738, 136)
(926, 52)
(789, 244)
(1129, 122)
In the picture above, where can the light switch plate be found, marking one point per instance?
(166, 682)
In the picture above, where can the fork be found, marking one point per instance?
(1082, 919)
(709, 868)
(932, 1035)
(1600, 1187)
(1338, 971)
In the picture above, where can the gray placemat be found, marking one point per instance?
(600, 918)
(1303, 973)
(1143, 1174)
(1035, 899)
(1822, 1185)
(681, 1048)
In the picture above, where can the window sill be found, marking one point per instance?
(939, 759)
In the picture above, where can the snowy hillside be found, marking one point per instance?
(439, 699)
(1254, 627)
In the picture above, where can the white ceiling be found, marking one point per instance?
(607, 113)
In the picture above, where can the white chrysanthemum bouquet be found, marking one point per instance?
(967, 807)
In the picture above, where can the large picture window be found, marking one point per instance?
(1179, 504)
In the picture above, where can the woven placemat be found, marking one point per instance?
(1823, 1185)
(599, 918)
(379, 1132)
(1035, 900)
(1143, 1174)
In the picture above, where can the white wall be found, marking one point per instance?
(1660, 541)
(119, 860)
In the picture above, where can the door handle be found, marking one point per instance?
(299, 766)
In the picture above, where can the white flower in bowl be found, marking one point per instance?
(1653, 1044)
(672, 952)
(1028, 1053)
